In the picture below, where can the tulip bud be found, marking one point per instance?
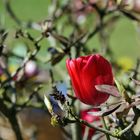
(86, 72)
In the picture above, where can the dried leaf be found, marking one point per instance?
(137, 82)
(105, 112)
(48, 104)
(124, 111)
(112, 90)
(111, 110)
(135, 103)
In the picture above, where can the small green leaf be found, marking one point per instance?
(54, 121)
(123, 91)
(119, 86)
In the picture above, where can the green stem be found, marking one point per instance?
(94, 126)
(105, 126)
(75, 131)
(103, 130)
(126, 129)
(76, 128)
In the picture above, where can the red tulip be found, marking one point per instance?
(86, 72)
(90, 119)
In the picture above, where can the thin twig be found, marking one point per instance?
(11, 13)
(105, 126)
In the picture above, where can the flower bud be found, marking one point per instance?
(86, 72)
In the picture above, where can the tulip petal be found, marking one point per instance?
(73, 75)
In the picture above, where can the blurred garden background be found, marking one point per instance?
(36, 37)
(124, 38)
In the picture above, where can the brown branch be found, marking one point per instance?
(10, 113)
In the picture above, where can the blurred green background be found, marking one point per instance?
(124, 41)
